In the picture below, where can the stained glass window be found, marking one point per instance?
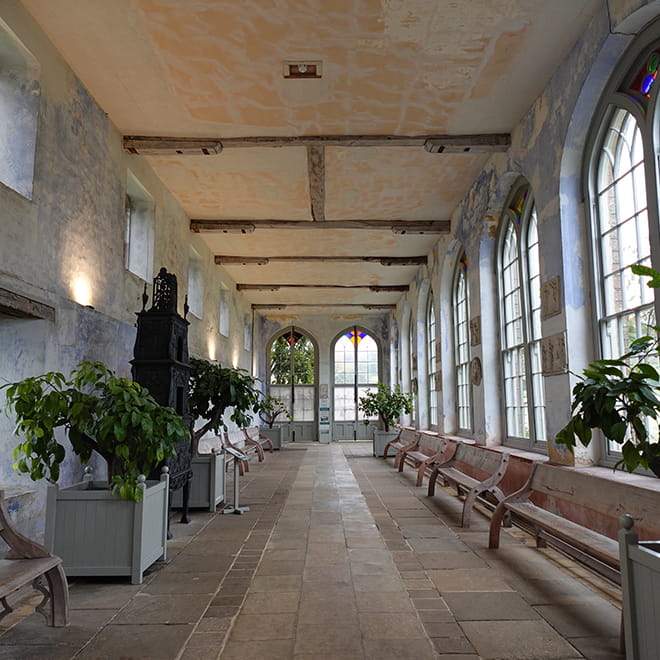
(355, 369)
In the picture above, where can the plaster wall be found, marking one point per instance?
(64, 247)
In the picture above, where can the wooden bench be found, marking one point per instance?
(407, 438)
(237, 441)
(429, 450)
(27, 563)
(552, 493)
(254, 436)
(490, 465)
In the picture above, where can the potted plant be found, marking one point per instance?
(388, 405)
(113, 527)
(270, 408)
(619, 397)
(213, 389)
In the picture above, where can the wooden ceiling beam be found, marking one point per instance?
(316, 174)
(248, 226)
(277, 306)
(230, 260)
(170, 145)
(370, 287)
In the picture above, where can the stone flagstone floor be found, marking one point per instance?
(339, 557)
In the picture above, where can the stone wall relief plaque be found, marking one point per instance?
(551, 297)
(476, 372)
(475, 331)
(553, 354)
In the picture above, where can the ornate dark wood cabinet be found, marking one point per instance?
(161, 364)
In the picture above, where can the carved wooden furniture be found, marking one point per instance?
(161, 364)
(429, 450)
(489, 466)
(236, 440)
(253, 435)
(407, 438)
(552, 492)
(27, 562)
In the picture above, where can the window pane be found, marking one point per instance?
(355, 368)
(462, 347)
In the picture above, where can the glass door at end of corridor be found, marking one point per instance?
(355, 372)
(293, 381)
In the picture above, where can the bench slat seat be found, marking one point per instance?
(28, 562)
(429, 450)
(602, 548)
(481, 459)
(552, 489)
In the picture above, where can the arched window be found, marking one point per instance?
(355, 371)
(431, 363)
(460, 297)
(292, 374)
(624, 220)
(520, 314)
(412, 355)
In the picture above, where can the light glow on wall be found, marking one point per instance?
(81, 290)
(234, 359)
(212, 349)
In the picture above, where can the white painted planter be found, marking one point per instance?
(98, 533)
(275, 435)
(381, 438)
(640, 581)
(207, 487)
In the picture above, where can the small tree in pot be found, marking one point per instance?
(214, 388)
(98, 411)
(620, 397)
(386, 404)
(270, 409)
(117, 527)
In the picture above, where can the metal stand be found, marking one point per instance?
(235, 508)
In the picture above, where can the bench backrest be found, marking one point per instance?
(20, 547)
(480, 458)
(236, 438)
(209, 444)
(252, 432)
(609, 497)
(432, 443)
(407, 435)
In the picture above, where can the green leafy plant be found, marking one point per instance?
(388, 405)
(619, 397)
(270, 408)
(214, 388)
(98, 411)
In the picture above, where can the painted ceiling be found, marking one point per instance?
(220, 70)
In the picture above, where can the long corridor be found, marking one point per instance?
(340, 556)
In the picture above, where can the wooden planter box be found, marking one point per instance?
(207, 487)
(640, 581)
(381, 438)
(274, 434)
(98, 533)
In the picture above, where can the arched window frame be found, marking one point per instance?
(431, 362)
(360, 384)
(412, 354)
(462, 353)
(519, 285)
(300, 408)
(624, 100)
